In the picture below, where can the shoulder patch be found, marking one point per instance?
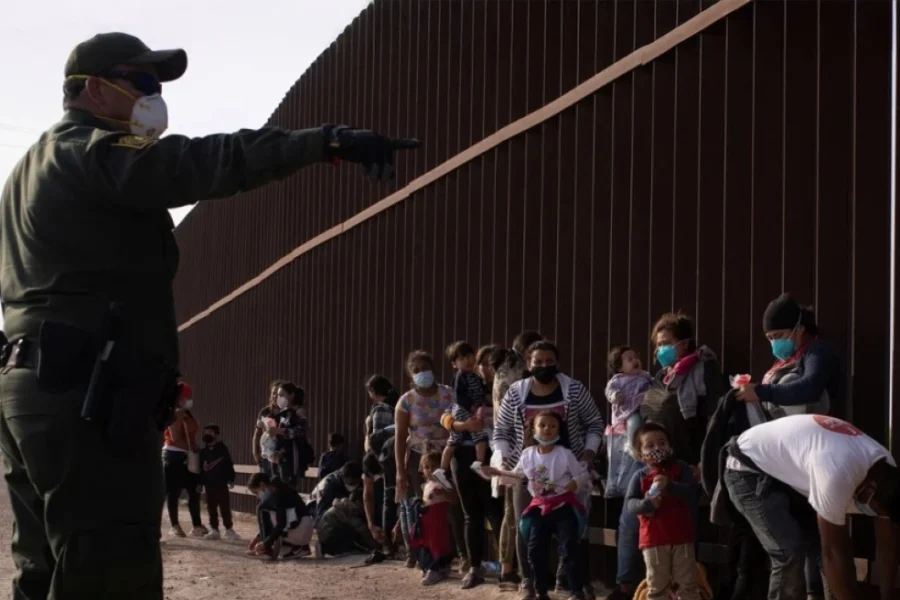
(135, 142)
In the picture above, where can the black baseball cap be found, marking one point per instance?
(106, 50)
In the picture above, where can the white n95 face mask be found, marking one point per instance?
(150, 116)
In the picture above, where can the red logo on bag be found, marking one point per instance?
(836, 425)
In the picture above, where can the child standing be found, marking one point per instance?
(554, 476)
(664, 496)
(217, 477)
(431, 534)
(335, 458)
(470, 397)
(626, 388)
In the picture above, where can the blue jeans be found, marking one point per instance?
(630, 561)
(766, 505)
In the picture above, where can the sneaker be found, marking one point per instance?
(297, 553)
(433, 577)
(562, 586)
(441, 476)
(199, 531)
(472, 579)
(411, 562)
(177, 531)
(464, 566)
(509, 582)
(231, 535)
(212, 536)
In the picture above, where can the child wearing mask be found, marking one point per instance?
(626, 388)
(286, 426)
(217, 478)
(664, 496)
(554, 476)
(430, 535)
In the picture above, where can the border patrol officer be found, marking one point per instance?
(87, 258)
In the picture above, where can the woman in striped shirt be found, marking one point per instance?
(582, 431)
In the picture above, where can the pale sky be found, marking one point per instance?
(243, 57)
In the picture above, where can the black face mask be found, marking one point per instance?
(545, 374)
(209, 439)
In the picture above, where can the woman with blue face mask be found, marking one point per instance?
(805, 376)
(418, 430)
(804, 379)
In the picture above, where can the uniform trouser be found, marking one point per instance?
(218, 499)
(86, 512)
(179, 478)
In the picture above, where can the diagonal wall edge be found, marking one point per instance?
(639, 57)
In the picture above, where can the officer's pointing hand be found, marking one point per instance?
(373, 151)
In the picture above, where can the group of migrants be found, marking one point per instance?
(513, 442)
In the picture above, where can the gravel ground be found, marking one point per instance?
(199, 570)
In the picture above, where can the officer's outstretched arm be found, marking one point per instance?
(175, 171)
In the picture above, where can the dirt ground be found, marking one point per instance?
(200, 570)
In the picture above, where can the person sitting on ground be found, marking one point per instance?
(793, 479)
(664, 495)
(335, 458)
(339, 484)
(430, 533)
(282, 518)
(217, 478)
(343, 530)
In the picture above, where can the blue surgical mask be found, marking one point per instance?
(784, 348)
(544, 442)
(666, 356)
(424, 379)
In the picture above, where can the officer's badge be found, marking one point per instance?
(135, 142)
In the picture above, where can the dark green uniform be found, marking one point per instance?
(84, 222)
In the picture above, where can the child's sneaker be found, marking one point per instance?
(433, 577)
(442, 479)
(177, 531)
(212, 536)
(199, 531)
(231, 535)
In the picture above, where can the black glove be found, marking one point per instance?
(373, 151)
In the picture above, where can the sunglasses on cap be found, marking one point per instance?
(145, 83)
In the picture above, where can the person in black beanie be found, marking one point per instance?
(805, 378)
(806, 375)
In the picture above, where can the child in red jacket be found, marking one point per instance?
(664, 496)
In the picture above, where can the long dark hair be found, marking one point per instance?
(381, 385)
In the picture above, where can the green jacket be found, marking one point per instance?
(84, 221)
